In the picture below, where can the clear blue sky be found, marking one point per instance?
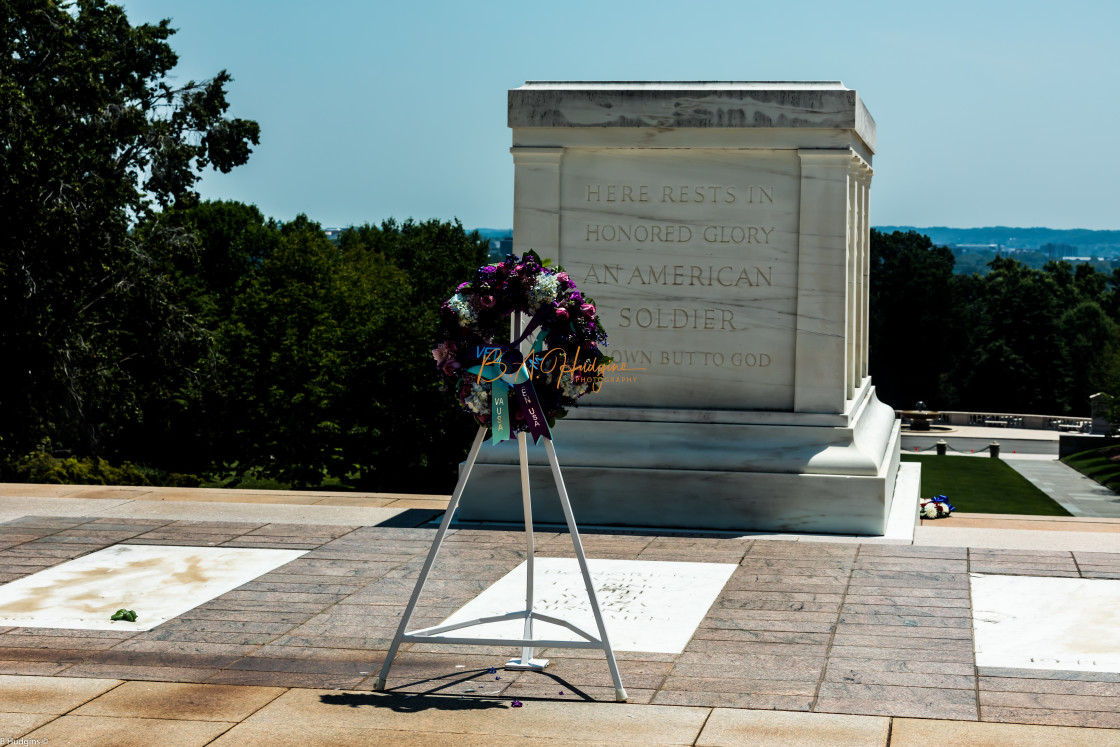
(989, 113)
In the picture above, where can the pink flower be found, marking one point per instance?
(449, 367)
(588, 309)
(487, 302)
(561, 313)
(442, 353)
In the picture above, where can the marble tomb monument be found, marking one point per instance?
(722, 230)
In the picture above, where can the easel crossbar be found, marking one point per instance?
(534, 642)
(502, 618)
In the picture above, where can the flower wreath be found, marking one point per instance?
(936, 508)
(477, 362)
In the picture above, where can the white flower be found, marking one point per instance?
(544, 291)
(462, 309)
(570, 388)
(929, 510)
(478, 401)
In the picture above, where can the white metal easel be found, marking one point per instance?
(527, 641)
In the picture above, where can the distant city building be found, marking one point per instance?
(501, 248)
(334, 234)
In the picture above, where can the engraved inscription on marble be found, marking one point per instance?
(691, 257)
(649, 606)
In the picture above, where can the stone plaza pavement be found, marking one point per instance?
(813, 640)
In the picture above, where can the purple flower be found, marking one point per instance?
(463, 286)
(516, 704)
(449, 367)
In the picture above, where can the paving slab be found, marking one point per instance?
(180, 701)
(15, 725)
(264, 512)
(56, 695)
(602, 722)
(943, 535)
(906, 732)
(777, 728)
(14, 506)
(125, 732)
(61, 507)
(269, 735)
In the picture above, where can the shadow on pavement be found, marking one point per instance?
(408, 703)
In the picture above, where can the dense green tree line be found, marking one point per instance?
(1015, 340)
(319, 359)
(138, 324)
(305, 359)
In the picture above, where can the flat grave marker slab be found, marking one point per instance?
(155, 581)
(650, 606)
(1028, 622)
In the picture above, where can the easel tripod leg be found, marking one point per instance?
(619, 691)
(379, 682)
(527, 661)
(530, 550)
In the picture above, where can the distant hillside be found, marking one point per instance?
(494, 233)
(1086, 241)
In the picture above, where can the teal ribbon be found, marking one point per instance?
(500, 385)
(499, 412)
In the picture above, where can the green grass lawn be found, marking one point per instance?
(1102, 465)
(982, 485)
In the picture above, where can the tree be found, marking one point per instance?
(1020, 362)
(282, 351)
(325, 365)
(415, 434)
(911, 315)
(92, 139)
(1093, 346)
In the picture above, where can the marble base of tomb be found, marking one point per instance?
(705, 469)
